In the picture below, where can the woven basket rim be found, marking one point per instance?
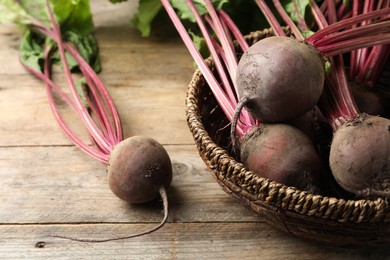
(254, 190)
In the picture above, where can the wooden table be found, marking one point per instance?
(48, 186)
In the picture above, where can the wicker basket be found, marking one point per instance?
(329, 220)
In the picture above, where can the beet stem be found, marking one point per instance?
(107, 131)
(214, 85)
(270, 18)
(347, 23)
(288, 20)
(235, 31)
(213, 52)
(71, 135)
(95, 132)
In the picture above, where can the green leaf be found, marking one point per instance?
(75, 19)
(307, 33)
(36, 8)
(73, 15)
(296, 9)
(200, 44)
(117, 1)
(328, 67)
(147, 11)
(31, 52)
(12, 12)
(83, 91)
(185, 13)
(87, 48)
(70, 14)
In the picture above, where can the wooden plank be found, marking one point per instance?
(61, 184)
(173, 241)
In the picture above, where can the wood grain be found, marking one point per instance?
(174, 241)
(62, 185)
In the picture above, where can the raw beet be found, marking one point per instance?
(281, 78)
(138, 167)
(282, 153)
(360, 155)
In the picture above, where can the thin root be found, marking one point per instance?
(163, 195)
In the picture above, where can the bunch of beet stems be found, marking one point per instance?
(365, 65)
(337, 103)
(104, 128)
(223, 54)
(99, 114)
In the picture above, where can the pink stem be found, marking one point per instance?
(332, 14)
(270, 18)
(95, 132)
(71, 135)
(363, 53)
(347, 23)
(94, 103)
(218, 64)
(96, 109)
(374, 65)
(219, 94)
(342, 11)
(318, 16)
(90, 73)
(103, 146)
(369, 29)
(339, 105)
(100, 86)
(366, 66)
(235, 31)
(286, 18)
(301, 21)
(354, 55)
(347, 15)
(228, 38)
(214, 54)
(245, 118)
(348, 45)
(226, 45)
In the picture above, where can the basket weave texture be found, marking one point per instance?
(325, 219)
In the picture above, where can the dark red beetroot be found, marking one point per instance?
(281, 78)
(282, 153)
(138, 168)
(360, 156)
